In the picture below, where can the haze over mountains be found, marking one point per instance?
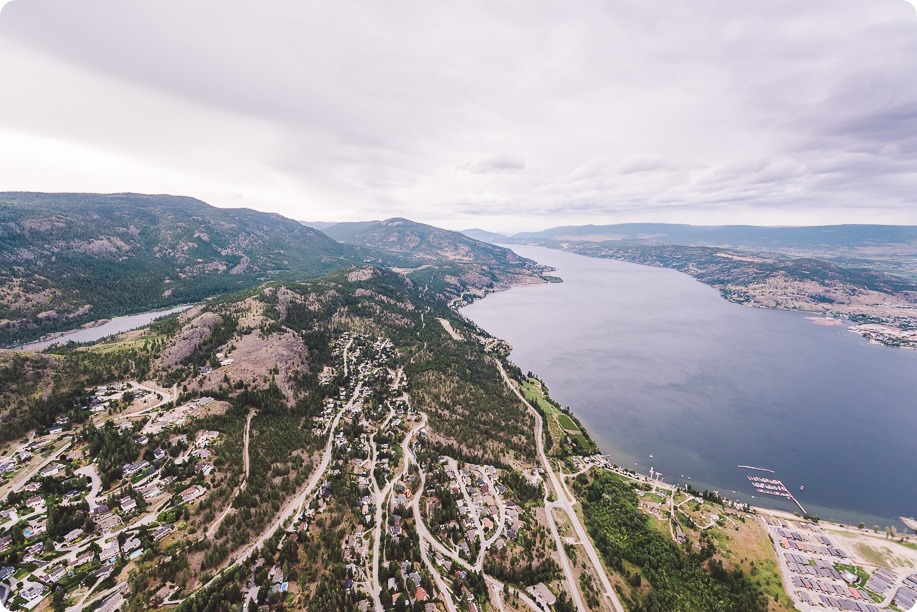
(885, 248)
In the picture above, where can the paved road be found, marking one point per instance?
(564, 503)
(22, 480)
(427, 539)
(379, 496)
(787, 576)
(92, 473)
(501, 522)
(381, 502)
(424, 544)
(165, 395)
(118, 588)
(472, 510)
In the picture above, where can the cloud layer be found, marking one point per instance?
(506, 115)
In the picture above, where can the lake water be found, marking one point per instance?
(116, 326)
(656, 363)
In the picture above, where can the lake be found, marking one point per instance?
(655, 363)
(115, 326)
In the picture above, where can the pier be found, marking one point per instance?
(772, 486)
(751, 467)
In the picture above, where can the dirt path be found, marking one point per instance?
(248, 427)
(293, 506)
(219, 520)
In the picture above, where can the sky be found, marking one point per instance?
(508, 116)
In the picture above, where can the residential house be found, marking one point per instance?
(132, 468)
(110, 552)
(56, 573)
(542, 594)
(73, 536)
(192, 493)
(33, 592)
(35, 502)
(110, 522)
(163, 532)
(35, 529)
(128, 504)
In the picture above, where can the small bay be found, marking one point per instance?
(116, 325)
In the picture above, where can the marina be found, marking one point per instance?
(772, 486)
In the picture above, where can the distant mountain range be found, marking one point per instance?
(69, 259)
(735, 236)
(887, 248)
(867, 273)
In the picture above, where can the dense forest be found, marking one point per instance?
(680, 580)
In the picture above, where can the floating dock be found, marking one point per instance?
(751, 467)
(772, 486)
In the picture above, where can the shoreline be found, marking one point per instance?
(58, 338)
(883, 330)
(812, 508)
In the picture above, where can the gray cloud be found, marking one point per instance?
(769, 111)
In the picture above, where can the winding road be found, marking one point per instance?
(565, 504)
(427, 539)
(293, 506)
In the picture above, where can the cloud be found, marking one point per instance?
(493, 165)
(712, 111)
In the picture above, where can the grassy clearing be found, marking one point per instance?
(750, 548)
(879, 555)
(532, 391)
(566, 422)
(854, 569)
(567, 436)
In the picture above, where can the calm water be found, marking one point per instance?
(115, 326)
(654, 362)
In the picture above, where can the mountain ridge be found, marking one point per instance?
(69, 259)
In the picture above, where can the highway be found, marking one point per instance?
(565, 504)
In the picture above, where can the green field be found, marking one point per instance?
(531, 389)
(566, 422)
(559, 424)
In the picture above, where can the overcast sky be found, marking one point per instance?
(503, 115)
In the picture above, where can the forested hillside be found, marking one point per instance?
(450, 263)
(66, 259)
